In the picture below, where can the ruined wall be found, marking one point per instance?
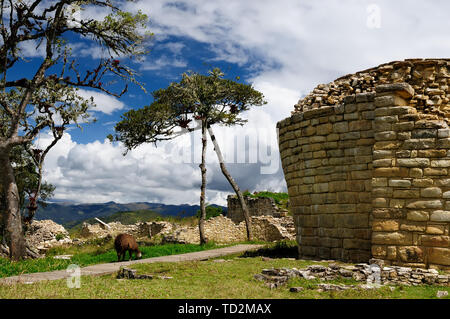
(405, 188)
(430, 79)
(370, 177)
(256, 207)
(221, 229)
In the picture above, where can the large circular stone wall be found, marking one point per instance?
(370, 177)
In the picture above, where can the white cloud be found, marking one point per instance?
(289, 45)
(163, 62)
(104, 103)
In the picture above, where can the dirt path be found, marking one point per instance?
(104, 269)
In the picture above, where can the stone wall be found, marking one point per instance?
(368, 177)
(221, 229)
(430, 79)
(411, 185)
(327, 161)
(260, 206)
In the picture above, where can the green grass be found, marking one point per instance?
(90, 255)
(208, 279)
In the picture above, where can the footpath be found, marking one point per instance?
(104, 269)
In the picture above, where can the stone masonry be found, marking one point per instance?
(371, 176)
(261, 206)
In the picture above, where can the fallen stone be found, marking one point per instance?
(442, 294)
(65, 257)
(296, 289)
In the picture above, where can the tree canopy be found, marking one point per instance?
(49, 97)
(202, 99)
(196, 97)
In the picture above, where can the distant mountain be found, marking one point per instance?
(63, 213)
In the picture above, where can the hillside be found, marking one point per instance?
(125, 218)
(65, 213)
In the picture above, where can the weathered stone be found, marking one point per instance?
(392, 238)
(435, 192)
(421, 204)
(440, 256)
(402, 89)
(413, 162)
(440, 216)
(385, 225)
(418, 216)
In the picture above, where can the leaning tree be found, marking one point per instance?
(48, 98)
(205, 99)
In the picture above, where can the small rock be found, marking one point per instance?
(441, 294)
(266, 259)
(259, 277)
(296, 289)
(219, 260)
(66, 257)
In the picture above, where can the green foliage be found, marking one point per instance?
(210, 98)
(26, 175)
(211, 211)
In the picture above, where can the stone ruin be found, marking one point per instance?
(45, 234)
(373, 275)
(366, 159)
(221, 230)
(261, 206)
(40, 236)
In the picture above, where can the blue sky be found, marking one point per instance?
(283, 48)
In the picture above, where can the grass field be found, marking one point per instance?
(89, 255)
(229, 279)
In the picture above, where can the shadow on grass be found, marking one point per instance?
(282, 249)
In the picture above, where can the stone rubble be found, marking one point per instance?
(128, 273)
(430, 79)
(370, 274)
(44, 234)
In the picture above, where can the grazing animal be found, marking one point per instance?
(124, 243)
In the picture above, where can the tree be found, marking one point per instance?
(28, 178)
(211, 211)
(48, 99)
(205, 99)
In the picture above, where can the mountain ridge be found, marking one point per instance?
(63, 213)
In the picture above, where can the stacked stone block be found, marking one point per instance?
(370, 177)
(327, 161)
(411, 182)
(261, 206)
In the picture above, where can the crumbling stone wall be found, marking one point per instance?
(261, 206)
(430, 79)
(221, 229)
(370, 176)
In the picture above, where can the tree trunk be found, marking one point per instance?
(201, 222)
(248, 221)
(12, 219)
